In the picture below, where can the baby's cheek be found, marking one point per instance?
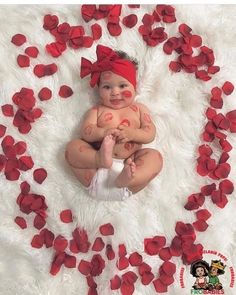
(126, 94)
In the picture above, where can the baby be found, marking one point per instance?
(108, 159)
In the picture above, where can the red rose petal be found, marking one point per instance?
(213, 69)
(7, 110)
(224, 158)
(32, 51)
(48, 238)
(45, 94)
(73, 247)
(40, 175)
(96, 31)
(65, 91)
(90, 281)
(166, 280)
(175, 66)
(135, 259)
(202, 75)
(184, 30)
(106, 229)
(66, 216)
(122, 263)
(126, 289)
(50, 22)
(115, 283)
(50, 69)
(114, 29)
(130, 20)
(2, 130)
(21, 222)
(37, 242)
(200, 225)
(226, 186)
(110, 252)
(195, 41)
(147, 278)
(18, 39)
(57, 263)
(60, 243)
(165, 254)
(23, 61)
(39, 222)
(98, 244)
(222, 170)
(203, 214)
(39, 70)
(129, 277)
(169, 268)
(228, 88)
(70, 261)
(25, 187)
(176, 246)
(20, 147)
(97, 265)
(208, 189)
(159, 286)
(144, 268)
(122, 250)
(81, 238)
(12, 175)
(37, 113)
(87, 12)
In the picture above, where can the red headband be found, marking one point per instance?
(107, 60)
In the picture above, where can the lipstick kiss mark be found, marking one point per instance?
(134, 108)
(129, 146)
(125, 122)
(108, 117)
(127, 94)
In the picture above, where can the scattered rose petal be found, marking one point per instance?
(106, 229)
(200, 225)
(165, 254)
(60, 243)
(135, 259)
(23, 61)
(2, 130)
(130, 20)
(18, 39)
(84, 267)
(65, 91)
(122, 263)
(7, 110)
(228, 88)
(40, 175)
(50, 22)
(159, 286)
(32, 51)
(226, 186)
(115, 283)
(45, 94)
(96, 31)
(37, 241)
(21, 222)
(203, 214)
(66, 216)
(110, 252)
(39, 222)
(70, 261)
(98, 244)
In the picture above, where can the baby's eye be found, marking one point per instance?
(106, 87)
(123, 85)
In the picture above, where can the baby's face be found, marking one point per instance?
(115, 91)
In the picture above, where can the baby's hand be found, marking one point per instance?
(126, 134)
(112, 131)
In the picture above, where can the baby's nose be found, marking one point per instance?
(115, 91)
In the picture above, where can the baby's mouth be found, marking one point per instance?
(116, 101)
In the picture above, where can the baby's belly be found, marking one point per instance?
(125, 150)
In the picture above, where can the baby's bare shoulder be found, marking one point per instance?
(142, 107)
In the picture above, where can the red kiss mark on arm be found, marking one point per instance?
(134, 108)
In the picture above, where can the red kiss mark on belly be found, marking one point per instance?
(125, 122)
(129, 146)
(108, 117)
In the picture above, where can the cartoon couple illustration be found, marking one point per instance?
(201, 270)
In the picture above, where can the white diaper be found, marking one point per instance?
(102, 186)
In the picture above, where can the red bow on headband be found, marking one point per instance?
(107, 60)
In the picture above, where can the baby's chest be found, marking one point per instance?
(113, 119)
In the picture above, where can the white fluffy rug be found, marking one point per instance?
(178, 102)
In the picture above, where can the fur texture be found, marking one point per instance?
(178, 103)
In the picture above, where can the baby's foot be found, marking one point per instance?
(104, 155)
(127, 174)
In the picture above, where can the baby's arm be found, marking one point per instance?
(147, 131)
(89, 131)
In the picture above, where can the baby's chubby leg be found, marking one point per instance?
(140, 169)
(80, 154)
